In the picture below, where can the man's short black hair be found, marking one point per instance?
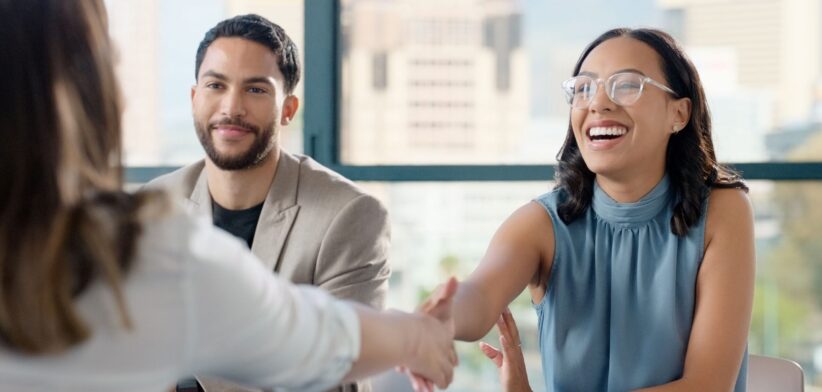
(261, 30)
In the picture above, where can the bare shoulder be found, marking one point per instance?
(530, 218)
(527, 229)
(723, 198)
(530, 226)
(728, 207)
(730, 215)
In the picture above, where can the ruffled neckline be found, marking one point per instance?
(632, 213)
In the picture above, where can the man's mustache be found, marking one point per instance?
(233, 121)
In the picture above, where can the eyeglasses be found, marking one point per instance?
(622, 88)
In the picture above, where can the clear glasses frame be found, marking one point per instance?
(622, 88)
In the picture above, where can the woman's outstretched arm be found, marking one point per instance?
(519, 254)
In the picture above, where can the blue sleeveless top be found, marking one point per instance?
(620, 299)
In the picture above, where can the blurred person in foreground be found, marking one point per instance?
(101, 290)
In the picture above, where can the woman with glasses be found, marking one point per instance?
(101, 290)
(640, 263)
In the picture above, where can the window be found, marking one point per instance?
(762, 84)
(379, 74)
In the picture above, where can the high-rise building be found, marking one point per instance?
(776, 43)
(133, 26)
(426, 81)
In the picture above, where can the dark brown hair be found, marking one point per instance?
(690, 160)
(63, 218)
(262, 31)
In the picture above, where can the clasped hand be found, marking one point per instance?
(439, 307)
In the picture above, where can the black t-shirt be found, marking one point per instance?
(240, 223)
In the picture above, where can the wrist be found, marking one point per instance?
(413, 326)
(403, 335)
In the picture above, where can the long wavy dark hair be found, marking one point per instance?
(690, 160)
(64, 219)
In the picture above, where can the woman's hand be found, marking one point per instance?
(432, 357)
(440, 307)
(509, 359)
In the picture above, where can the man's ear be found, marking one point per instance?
(193, 93)
(290, 106)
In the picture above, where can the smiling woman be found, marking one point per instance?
(758, 63)
(641, 262)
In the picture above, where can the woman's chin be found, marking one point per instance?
(602, 168)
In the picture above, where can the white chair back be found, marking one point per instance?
(766, 374)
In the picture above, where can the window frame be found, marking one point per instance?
(321, 132)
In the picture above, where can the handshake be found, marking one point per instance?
(423, 343)
(419, 344)
(433, 346)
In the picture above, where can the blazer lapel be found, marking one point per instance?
(279, 212)
(200, 200)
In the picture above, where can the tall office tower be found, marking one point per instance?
(133, 26)
(428, 81)
(776, 45)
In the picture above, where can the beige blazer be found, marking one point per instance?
(316, 227)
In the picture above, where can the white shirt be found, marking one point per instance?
(200, 303)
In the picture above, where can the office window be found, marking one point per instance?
(380, 66)
(759, 61)
(787, 314)
(157, 41)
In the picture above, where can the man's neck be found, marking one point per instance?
(242, 189)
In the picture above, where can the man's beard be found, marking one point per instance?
(264, 142)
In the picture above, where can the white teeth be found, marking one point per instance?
(607, 131)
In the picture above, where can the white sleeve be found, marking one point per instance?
(248, 325)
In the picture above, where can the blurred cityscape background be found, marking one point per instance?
(477, 82)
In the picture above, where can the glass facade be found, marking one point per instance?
(478, 82)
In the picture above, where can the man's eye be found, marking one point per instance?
(256, 90)
(214, 85)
